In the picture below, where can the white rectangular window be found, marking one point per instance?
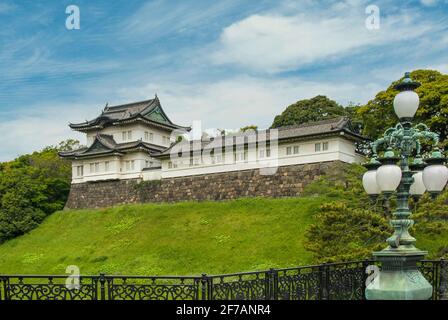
(146, 163)
(196, 161)
(296, 149)
(218, 159)
(268, 153)
(240, 156)
(288, 151)
(151, 136)
(261, 153)
(317, 147)
(129, 135)
(97, 167)
(79, 171)
(325, 146)
(146, 135)
(92, 167)
(170, 165)
(130, 165)
(191, 162)
(123, 136)
(106, 166)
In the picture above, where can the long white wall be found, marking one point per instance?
(286, 154)
(131, 165)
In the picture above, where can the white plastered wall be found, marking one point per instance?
(339, 148)
(138, 132)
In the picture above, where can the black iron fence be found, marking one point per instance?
(334, 281)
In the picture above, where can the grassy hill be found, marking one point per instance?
(167, 239)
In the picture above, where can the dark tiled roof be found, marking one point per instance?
(305, 131)
(105, 145)
(148, 110)
(318, 127)
(152, 168)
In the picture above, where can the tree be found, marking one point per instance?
(22, 204)
(33, 186)
(342, 233)
(378, 114)
(68, 145)
(350, 227)
(250, 127)
(308, 110)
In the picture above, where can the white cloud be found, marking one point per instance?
(429, 2)
(38, 127)
(229, 104)
(244, 100)
(155, 19)
(443, 68)
(274, 43)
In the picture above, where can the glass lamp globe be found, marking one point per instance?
(435, 177)
(388, 177)
(418, 187)
(406, 104)
(407, 101)
(369, 183)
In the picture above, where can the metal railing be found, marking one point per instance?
(333, 281)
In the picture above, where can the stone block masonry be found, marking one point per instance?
(288, 181)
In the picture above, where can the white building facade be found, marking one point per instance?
(138, 141)
(121, 142)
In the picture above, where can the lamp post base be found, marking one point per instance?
(399, 278)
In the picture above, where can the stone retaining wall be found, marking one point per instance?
(288, 181)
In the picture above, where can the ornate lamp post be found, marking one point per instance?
(401, 170)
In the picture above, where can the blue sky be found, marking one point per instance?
(227, 63)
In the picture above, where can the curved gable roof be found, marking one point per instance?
(148, 110)
(105, 144)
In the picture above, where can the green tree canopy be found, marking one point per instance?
(350, 227)
(308, 110)
(378, 114)
(33, 186)
(250, 127)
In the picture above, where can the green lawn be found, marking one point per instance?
(167, 239)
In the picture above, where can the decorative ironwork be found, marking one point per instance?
(240, 286)
(430, 270)
(401, 165)
(152, 288)
(334, 281)
(47, 288)
(302, 283)
(443, 282)
(346, 281)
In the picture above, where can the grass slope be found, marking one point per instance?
(176, 239)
